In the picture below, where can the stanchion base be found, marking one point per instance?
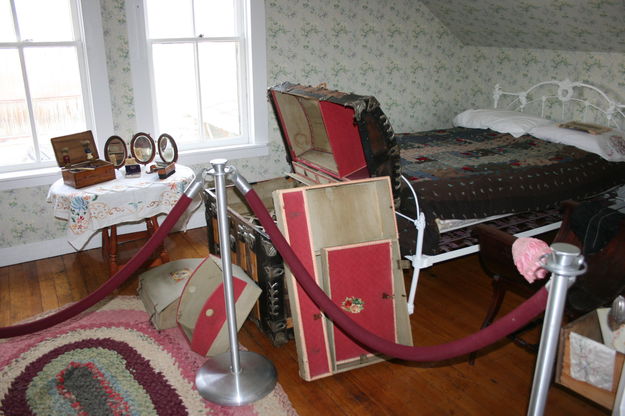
(216, 383)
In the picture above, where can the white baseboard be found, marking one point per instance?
(60, 246)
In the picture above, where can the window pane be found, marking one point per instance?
(220, 89)
(214, 18)
(35, 18)
(169, 19)
(7, 32)
(55, 88)
(16, 142)
(176, 97)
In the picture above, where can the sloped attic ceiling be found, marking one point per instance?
(571, 25)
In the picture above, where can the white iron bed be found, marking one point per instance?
(552, 101)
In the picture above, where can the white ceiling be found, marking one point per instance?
(571, 25)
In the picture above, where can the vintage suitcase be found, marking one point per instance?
(355, 259)
(201, 313)
(331, 136)
(77, 155)
(160, 288)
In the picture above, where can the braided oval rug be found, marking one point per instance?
(111, 361)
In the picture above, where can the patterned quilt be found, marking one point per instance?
(462, 173)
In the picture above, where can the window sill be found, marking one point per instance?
(47, 176)
(29, 178)
(204, 156)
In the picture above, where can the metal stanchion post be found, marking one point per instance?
(238, 377)
(564, 263)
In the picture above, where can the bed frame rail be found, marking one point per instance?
(577, 98)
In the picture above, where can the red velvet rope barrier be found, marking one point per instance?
(111, 284)
(504, 326)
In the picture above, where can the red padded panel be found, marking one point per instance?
(363, 272)
(207, 327)
(344, 139)
(311, 325)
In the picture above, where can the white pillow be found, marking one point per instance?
(502, 121)
(609, 145)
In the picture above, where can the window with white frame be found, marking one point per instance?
(44, 79)
(199, 71)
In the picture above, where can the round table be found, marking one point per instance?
(102, 207)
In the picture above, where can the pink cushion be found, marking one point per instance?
(526, 253)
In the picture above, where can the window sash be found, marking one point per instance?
(203, 141)
(202, 130)
(252, 81)
(22, 46)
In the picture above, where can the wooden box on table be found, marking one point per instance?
(330, 136)
(77, 155)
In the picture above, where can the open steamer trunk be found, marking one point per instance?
(334, 136)
(330, 136)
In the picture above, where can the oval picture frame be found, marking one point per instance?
(115, 151)
(142, 148)
(167, 148)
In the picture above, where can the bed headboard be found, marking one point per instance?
(564, 101)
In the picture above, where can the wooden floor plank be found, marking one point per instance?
(56, 267)
(47, 284)
(5, 297)
(450, 302)
(25, 295)
(76, 279)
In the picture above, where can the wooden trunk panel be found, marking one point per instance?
(349, 270)
(309, 326)
(354, 258)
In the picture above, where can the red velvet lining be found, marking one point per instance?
(361, 281)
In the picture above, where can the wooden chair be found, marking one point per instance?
(603, 281)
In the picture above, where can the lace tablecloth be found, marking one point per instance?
(89, 209)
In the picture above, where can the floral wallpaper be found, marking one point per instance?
(118, 63)
(396, 50)
(573, 25)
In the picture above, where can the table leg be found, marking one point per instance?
(110, 240)
(106, 242)
(163, 255)
(112, 250)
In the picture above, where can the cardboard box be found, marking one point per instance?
(161, 287)
(589, 328)
(77, 155)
